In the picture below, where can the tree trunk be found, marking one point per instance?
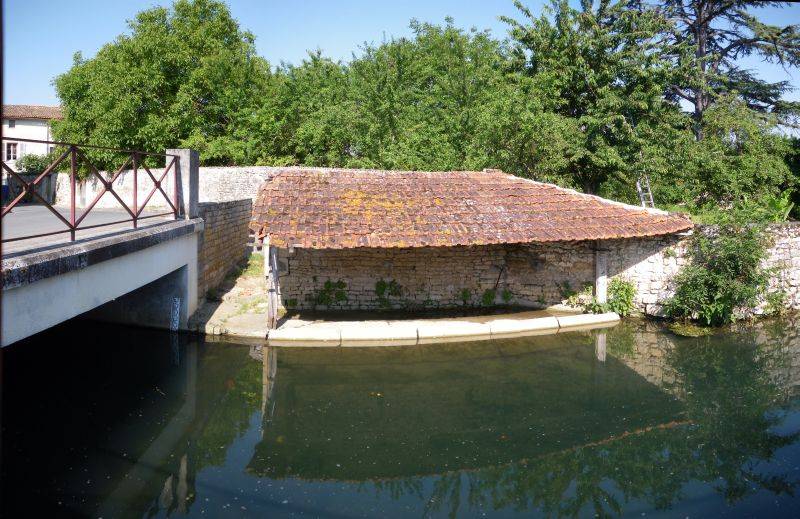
(700, 30)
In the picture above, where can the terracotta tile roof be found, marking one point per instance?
(339, 209)
(31, 112)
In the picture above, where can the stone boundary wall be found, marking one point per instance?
(222, 246)
(652, 264)
(531, 274)
(217, 184)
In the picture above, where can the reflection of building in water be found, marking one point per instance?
(644, 348)
(540, 424)
(647, 347)
(398, 412)
(783, 339)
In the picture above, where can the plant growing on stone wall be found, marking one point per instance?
(725, 275)
(582, 298)
(488, 297)
(466, 296)
(775, 302)
(620, 299)
(566, 290)
(506, 296)
(386, 289)
(620, 296)
(331, 292)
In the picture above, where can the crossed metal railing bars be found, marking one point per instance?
(135, 159)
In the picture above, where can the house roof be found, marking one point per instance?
(346, 208)
(31, 112)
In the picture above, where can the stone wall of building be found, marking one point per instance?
(527, 275)
(223, 244)
(433, 277)
(217, 184)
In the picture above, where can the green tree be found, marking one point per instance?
(720, 33)
(308, 119)
(418, 100)
(601, 71)
(743, 160)
(183, 77)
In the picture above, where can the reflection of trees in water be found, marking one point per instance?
(730, 394)
(229, 414)
(732, 401)
(731, 387)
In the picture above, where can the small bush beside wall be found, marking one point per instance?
(620, 299)
(725, 274)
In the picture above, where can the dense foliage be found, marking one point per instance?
(33, 163)
(585, 97)
(725, 275)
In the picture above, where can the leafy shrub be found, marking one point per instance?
(566, 290)
(466, 296)
(595, 307)
(487, 299)
(506, 296)
(582, 298)
(620, 299)
(620, 296)
(725, 273)
(33, 164)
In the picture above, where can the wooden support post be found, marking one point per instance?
(600, 273)
(271, 269)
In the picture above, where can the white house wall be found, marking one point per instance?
(26, 129)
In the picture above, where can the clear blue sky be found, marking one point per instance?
(40, 36)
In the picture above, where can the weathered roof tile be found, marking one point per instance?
(345, 208)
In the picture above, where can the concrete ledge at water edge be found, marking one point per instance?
(408, 333)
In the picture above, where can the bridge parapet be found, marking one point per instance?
(42, 289)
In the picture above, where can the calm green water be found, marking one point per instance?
(121, 422)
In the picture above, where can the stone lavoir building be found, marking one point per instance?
(363, 239)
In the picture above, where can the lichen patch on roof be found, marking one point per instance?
(345, 208)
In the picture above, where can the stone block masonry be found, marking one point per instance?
(432, 277)
(522, 274)
(652, 264)
(223, 244)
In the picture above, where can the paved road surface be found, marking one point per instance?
(30, 219)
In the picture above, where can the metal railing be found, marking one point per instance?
(135, 159)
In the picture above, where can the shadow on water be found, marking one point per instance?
(127, 422)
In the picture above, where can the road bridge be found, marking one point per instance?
(130, 265)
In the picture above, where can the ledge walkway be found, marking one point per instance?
(297, 332)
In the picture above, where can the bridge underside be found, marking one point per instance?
(155, 269)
